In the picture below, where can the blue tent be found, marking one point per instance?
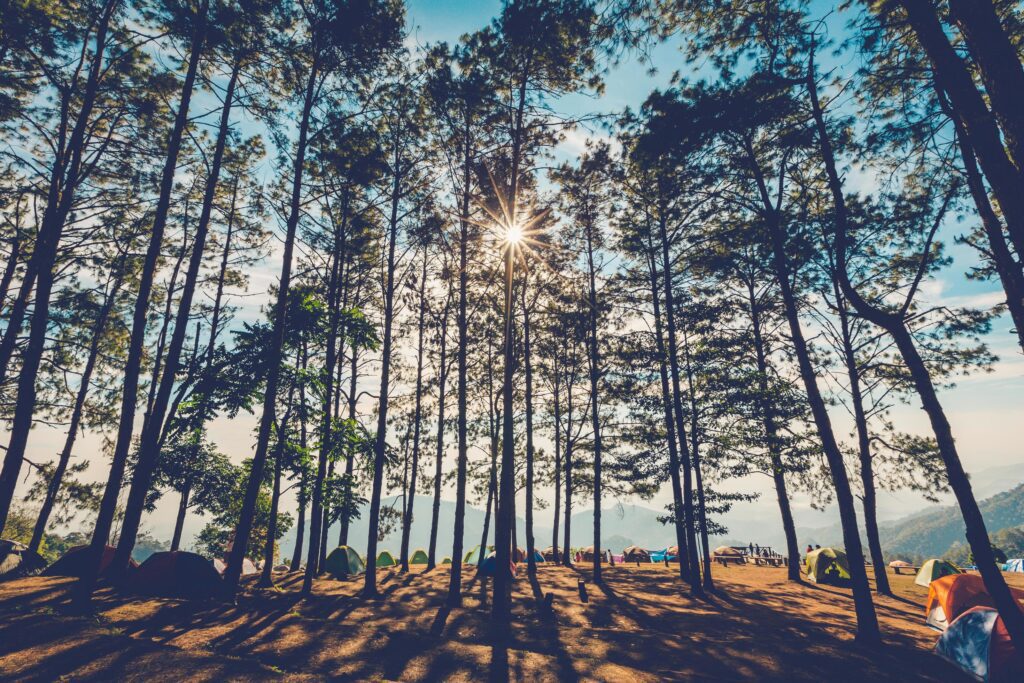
(1016, 565)
(487, 567)
(660, 555)
(537, 557)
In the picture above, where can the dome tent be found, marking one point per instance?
(1015, 565)
(72, 563)
(344, 562)
(552, 554)
(419, 557)
(935, 569)
(489, 565)
(952, 595)
(16, 561)
(446, 560)
(176, 574)
(827, 565)
(386, 559)
(636, 554)
(978, 643)
(899, 563)
(474, 556)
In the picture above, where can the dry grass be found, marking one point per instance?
(640, 625)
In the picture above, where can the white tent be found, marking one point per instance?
(1016, 565)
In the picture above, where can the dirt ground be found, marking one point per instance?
(638, 626)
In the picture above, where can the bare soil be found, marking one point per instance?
(639, 625)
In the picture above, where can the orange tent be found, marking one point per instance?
(951, 596)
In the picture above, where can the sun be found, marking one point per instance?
(514, 234)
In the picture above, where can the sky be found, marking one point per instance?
(984, 410)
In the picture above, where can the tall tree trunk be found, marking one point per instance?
(895, 325)
(300, 530)
(953, 78)
(594, 364)
(702, 522)
(98, 330)
(179, 520)
(1011, 274)
(129, 398)
(442, 378)
(867, 473)
(670, 431)
(557, 407)
(567, 531)
(531, 546)
(690, 552)
(771, 433)
(275, 352)
(349, 461)
(999, 63)
(149, 445)
(40, 272)
(417, 417)
(455, 579)
(504, 525)
(380, 445)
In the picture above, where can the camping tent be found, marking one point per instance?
(419, 557)
(446, 560)
(935, 569)
(487, 567)
(72, 563)
(827, 565)
(899, 563)
(16, 561)
(176, 574)
(662, 555)
(386, 559)
(519, 555)
(248, 567)
(726, 551)
(952, 595)
(1016, 565)
(587, 554)
(552, 554)
(978, 643)
(344, 562)
(636, 554)
(474, 556)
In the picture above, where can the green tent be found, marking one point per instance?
(446, 560)
(386, 559)
(344, 562)
(827, 565)
(419, 557)
(474, 556)
(935, 569)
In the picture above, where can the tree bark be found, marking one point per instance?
(531, 546)
(895, 324)
(108, 505)
(441, 386)
(149, 446)
(417, 418)
(771, 432)
(53, 488)
(275, 352)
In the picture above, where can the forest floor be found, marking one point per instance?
(638, 626)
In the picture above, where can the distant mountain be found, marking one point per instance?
(938, 531)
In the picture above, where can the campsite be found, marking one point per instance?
(637, 626)
(429, 340)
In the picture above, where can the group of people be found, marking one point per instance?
(755, 550)
(811, 549)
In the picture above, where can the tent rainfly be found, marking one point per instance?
(1015, 565)
(935, 569)
(386, 559)
(419, 557)
(952, 595)
(344, 562)
(475, 556)
(978, 643)
(636, 554)
(827, 565)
